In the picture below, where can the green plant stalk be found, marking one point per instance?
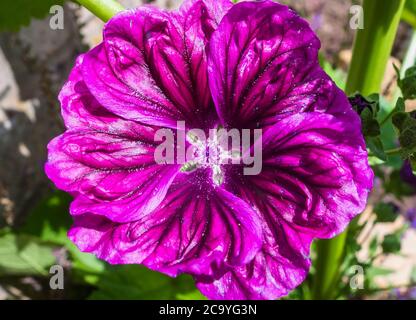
(409, 15)
(103, 9)
(372, 49)
(373, 45)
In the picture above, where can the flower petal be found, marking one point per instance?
(210, 13)
(315, 179)
(113, 174)
(202, 233)
(315, 173)
(260, 53)
(319, 165)
(105, 161)
(81, 111)
(152, 65)
(280, 266)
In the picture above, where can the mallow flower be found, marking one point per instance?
(210, 64)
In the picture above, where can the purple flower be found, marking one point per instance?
(399, 294)
(407, 175)
(245, 66)
(411, 217)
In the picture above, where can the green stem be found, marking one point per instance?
(103, 9)
(373, 45)
(390, 152)
(393, 152)
(371, 52)
(330, 254)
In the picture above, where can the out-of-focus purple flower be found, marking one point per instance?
(412, 293)
(400, 294)
(244, 66)
(316, 21)
(411, 217)
(407, 175)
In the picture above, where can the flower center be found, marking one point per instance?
(211, 152)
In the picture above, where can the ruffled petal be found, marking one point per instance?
(315, 173)
(111, 173)
(259, 54)
(281, 265)
(315, 179)
(316, 93)
(319, 165)
(199, 232)
(105, 161)
(152, 64)
(81, 110)
(211, 12)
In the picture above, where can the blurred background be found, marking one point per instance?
(34, 63)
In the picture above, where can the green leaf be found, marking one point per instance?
(368, 109)
(406, 125)
(385, 212)
(391, 243)
(375, 145)
(50, 221)
(373, 271)
(370, 125)
(17, 13)
(84, 264)
(377, 100)
(388, 133)
(372, 248)
(407, 141)
(191, 295)
(399, 120)
(337, 75)
(400, 106)
(408, 84)
(136, 282)
(22, 254)
(409, 13)
(396, 186)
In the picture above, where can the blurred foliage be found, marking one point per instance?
(409, 13)
(136, 282)
(29, 250)
(22, 254)
(17, 13)
(408, 83)
(337, 75)
(386, 212)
